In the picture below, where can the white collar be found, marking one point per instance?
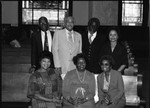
(94, 35)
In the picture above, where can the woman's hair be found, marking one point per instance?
(109, 58)
(46, 54)
(80, 55)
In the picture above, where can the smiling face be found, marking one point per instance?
(45, 63)
(93, 27)
(69, 23)
(113, 36)
(43, 24)
(81, 64)
(105, 66)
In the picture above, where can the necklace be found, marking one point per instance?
(79, 76)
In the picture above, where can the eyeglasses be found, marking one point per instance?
(105, 64)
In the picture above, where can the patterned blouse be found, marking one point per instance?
(48, 84)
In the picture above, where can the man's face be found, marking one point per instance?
(69, 23)
(93, 27)
(43, 24)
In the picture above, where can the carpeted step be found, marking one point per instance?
(14, 87)
(15, 59)
(14, 68)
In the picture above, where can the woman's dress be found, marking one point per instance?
(48, 84)
(75, 88)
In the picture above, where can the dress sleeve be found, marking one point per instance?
(59, 85)
(92, 84)
(66, 85)
(32, 86)
(120, 88)
(100, 92)
(124, 56)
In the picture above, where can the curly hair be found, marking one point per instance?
(78, 56)
(109, 58)
(46, 54)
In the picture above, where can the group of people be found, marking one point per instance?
(64, 65)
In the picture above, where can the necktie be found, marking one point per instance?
(90, 39)
(46, 42)
(70, 37)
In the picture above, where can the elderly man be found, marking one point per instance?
(66, 44)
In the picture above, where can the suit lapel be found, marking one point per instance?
(40, 41)
(70, 45)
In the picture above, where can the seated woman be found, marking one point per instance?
(45, 85)
(110, 85)
(79, 85)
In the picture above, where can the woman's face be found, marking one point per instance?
(105, 66)
(81, 64)
(45, 63)
(113, 36)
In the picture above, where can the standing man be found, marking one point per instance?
(40, 41)
(92, 42)
(66, 44)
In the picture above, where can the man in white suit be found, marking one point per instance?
(66, 44)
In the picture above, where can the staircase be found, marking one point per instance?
(15, 75)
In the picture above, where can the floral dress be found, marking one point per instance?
(48, 84)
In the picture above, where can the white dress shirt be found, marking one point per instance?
(67, 32)
(93, 37)
(49, 37)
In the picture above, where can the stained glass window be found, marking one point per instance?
(55, 11)
(132, 12)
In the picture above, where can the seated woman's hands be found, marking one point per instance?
(77, 101)
(106, 101)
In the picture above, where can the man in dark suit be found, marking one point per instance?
(40, 40)
(92, 42)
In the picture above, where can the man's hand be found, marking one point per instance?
(32, 69)
(58, 70)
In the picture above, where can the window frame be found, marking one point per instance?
(145, 13)
(20, 20)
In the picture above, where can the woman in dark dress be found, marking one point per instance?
(45, 85)
(116, 49)
(79, 86)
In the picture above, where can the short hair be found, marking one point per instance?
(109, 58)
(80, 55)
(69, 17)
(96, 20)
(43, 17)
(46, 54)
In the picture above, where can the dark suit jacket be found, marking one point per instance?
(36, 48)
(119, 54)
(92, 51)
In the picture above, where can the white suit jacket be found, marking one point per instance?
(63, 51)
